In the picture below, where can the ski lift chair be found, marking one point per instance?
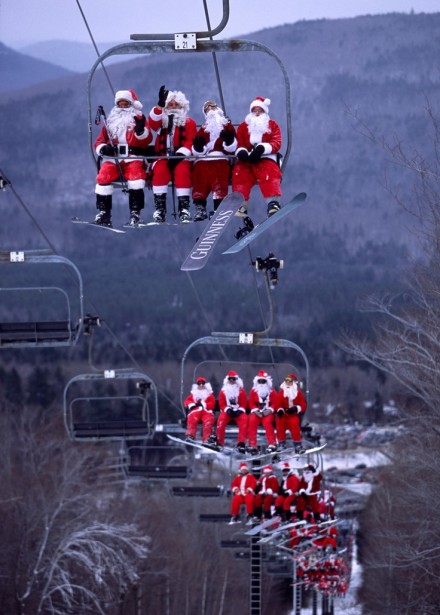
(36, 310)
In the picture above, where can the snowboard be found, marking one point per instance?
(263, 226)
(204, 447)
(107, 228)
(203, 248)
(279, 531)
(286, 453)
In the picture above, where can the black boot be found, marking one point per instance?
(104, 206)
(160, 203)
(184, 215)
(216, 203)
(136, 202)
(200, 205)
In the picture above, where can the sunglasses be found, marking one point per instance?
(261, 380)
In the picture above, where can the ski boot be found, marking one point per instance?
(271, 449)
(252, 450)
(240, 448)
(200, 215)
(136, 203)
(234, 519)
(184, 215)
(160, 203)
(189, 438)
(299, 449)
(272, 208)
(104, 205)
(242, 211)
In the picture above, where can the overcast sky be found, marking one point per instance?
(29, 21)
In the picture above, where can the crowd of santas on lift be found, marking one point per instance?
(276, 411)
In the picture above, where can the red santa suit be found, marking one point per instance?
(243, 490)
(255, 131)
(200, 405)
(309, 490)
(267, 491)
(211, 168)
(291, 407)
(288, 492)
(232, 401)
(174, 137)
(262, 401)
(119, 131)
(327, 503)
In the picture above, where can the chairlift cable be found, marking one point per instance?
(94, 45)
(214, 59)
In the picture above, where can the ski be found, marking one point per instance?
(263, 226)
(277, 532)
(203, 248)
(263, 526)
(194, 444)
(108, 228)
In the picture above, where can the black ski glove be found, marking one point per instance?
(139, 124)
(227, 136)
(243, 155)
(199, 143)
(163, 93)
(256, 153)
(173, 162)
(108, 150)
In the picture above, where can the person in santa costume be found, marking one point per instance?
(308, 493)
(200, 405)
(243, 493)
(258, 143)
(327, 503)
(290, 410)
(173, 144)
(122, 143)
(262, 401)
(267, 491)
(232, 401)
(211, 171)
(288, 492)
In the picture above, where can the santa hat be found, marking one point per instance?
(291, 377)
(201, 380)
(130, 96)
(244, 466)
(310, 468)
(267, 469)
(262, 375)
(232, 374)
(286, 467)
(259, 101)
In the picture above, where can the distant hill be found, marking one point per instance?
(381, 68)
(71, 55)
(18, 70)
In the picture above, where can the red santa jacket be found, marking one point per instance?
(286, 400)
(215, 148)
(225, 401)
(244, 484)
(255, 400)
(182, 137)
(271, 140)
(268, 485)
(205, 397)
(131, 139)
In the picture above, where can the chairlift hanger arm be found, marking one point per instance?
(170, 36)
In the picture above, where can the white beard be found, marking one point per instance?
(262, 390)
(119, 120)
(215, 122)
(231, 391)
(179, 117)
(290, 392)
(257, 125)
